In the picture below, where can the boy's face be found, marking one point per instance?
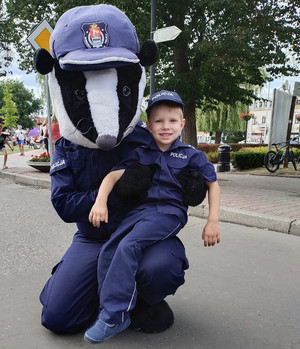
(165, 123)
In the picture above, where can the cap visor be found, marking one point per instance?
(98, 58)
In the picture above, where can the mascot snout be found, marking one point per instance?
(106, 142)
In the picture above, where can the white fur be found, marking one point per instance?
(101, 88)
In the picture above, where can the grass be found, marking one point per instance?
(16, 149)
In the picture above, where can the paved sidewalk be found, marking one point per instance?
(268, 202)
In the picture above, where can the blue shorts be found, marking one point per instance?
(21, 141)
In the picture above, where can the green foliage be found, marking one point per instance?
(246, 160)
(213, 157)
(24, 99)
(208, 148)
(9, 109)
(297, 156)
(220, 118)
(234, 139)
(143, 116)
(258, 149)
(211, 151)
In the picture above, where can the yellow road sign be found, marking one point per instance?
(39, 36)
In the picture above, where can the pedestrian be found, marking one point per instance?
(3, 142)
(20, 139)
(44, 134)
(55, 133)
(160, 215)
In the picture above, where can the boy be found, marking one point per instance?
(158, 216)
(3, 141)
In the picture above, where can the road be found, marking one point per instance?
(243, 293)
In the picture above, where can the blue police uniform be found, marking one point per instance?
(159, 216)
(70, 297)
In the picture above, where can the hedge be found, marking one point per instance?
(246, 160)
(251, 159)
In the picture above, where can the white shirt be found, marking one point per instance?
(20, 134)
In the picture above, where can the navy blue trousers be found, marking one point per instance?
(119, 262)
(70, 297)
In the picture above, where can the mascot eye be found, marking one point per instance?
(126, 91)
(80, 94)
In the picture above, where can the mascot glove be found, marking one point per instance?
(135, 182)
(194, 187)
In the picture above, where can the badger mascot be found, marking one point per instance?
(97, 78)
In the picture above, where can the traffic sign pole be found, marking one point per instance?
(39, 37)
(152, 30)
(159, 35)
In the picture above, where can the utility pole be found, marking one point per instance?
(152, 30)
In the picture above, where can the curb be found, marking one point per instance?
(247, 218)
(26, 180)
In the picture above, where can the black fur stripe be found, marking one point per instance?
(128, 92)
(73, 90)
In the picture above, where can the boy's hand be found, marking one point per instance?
(98, 213)
(211, 234)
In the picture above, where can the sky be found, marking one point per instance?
(29, 80)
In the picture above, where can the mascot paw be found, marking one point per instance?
(136, 180)
(194, 187)
(151, 318)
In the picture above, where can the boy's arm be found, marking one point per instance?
(99, 212)
(211, 231)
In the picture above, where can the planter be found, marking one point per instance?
(41, 166)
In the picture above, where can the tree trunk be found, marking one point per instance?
(218, 137)
(189, 133)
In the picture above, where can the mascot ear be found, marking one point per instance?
(43, 61)
(149, 53)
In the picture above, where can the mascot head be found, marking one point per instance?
(96, 74)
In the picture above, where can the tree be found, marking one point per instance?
(221, 119)
(9, 109)
(6, 56)
(24, 99)
(223, 44)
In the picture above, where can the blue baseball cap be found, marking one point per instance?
(164, 96)
(94, 37)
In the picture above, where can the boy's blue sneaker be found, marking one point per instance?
(101, 331)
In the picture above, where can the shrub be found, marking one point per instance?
(261, 149)
(207, 147)
(297, 155)
(246, 160)
(213, 156)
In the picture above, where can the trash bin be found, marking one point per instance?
(223, 158)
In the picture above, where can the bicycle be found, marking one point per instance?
(272, 159)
